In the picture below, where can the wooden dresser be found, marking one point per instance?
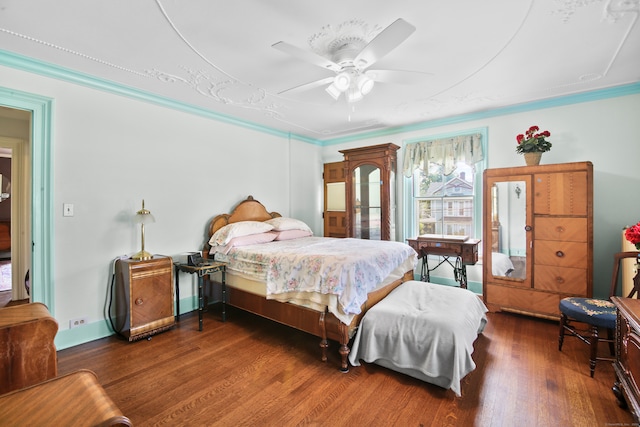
(144, 297)
(542, 219)
(27, 350)
(627, 363)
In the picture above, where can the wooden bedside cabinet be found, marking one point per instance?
(627, 363)
(143, 297)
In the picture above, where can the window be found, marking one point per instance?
(444, 204)
(444, 185)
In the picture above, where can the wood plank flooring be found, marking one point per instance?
(249, 371)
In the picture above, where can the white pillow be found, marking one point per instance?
(282, 223)
(291, 234)
(251, 239)
(237, 229)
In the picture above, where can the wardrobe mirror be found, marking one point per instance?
(508, 233)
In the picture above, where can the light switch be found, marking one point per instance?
(67, 209)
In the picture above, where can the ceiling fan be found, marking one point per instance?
(350, 58)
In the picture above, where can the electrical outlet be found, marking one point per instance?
(80, 321)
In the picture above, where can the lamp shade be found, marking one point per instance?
(144, 216)
(365, 84)
(342, 81)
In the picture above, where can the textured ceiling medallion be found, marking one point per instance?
(343, 41)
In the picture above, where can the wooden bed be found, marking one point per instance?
(324, 325)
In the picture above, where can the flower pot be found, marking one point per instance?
(532, 159)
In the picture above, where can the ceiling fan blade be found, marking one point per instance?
(387, 40)
(398, 76)
(308, 86)
(307, 55)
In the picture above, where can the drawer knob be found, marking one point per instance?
(527, 228)
(559, 280)
(139, 301)
(560, 229)
(559, 254)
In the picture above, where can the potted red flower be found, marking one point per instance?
(532, 144)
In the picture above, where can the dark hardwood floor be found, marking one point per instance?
(250, 371)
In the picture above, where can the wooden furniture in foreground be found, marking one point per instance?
(205, 269)
(553, 236)
(76, 399)
(27, 351)
(324, 324)
(627, 364)
(464, 250)
(370, 191)
(144, 297)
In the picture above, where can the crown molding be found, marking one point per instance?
(31, 65)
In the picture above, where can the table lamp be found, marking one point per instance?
(143, 216)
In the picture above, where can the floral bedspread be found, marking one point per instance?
(348, 268)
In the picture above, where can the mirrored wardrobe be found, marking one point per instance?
(538, 237)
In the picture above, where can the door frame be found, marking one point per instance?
(20, 214)
(41, 221)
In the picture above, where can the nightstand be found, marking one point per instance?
(204, 269)
(143, 297)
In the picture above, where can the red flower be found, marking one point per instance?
(632, 234)
(532, 141)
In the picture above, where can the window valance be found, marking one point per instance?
(445, 151)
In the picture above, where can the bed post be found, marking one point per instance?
(344, 346)
(324, 344)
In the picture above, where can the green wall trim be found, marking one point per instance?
(595, 95)
(24, 63)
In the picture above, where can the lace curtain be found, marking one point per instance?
(445, 151)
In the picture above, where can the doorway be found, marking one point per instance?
(15, 212)
(38, 197)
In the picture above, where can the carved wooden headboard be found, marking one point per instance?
(247, 210)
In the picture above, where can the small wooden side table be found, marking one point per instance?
(204, 269)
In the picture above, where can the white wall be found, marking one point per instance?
(605, 132)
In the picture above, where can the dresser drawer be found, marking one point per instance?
(560, 228)
(565, 280)
(523, 300)
(561, 254)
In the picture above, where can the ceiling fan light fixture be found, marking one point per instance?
(365, 84)
(333, 91)
(342, 81)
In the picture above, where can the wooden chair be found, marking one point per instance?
(595, 314)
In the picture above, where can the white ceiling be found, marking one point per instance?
(217, 56)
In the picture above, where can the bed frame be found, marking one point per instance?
(321, 324)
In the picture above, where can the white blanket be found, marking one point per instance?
(347, 268)
(423, 330)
